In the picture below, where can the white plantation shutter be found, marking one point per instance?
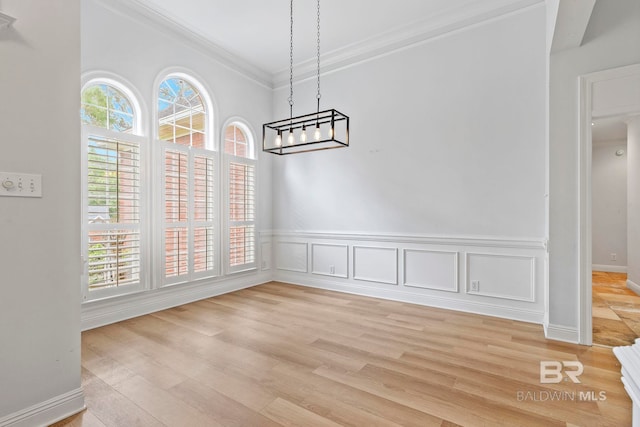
(241, 185)
(189, 204)
(112, 200)
(204, 214)
(176, 201)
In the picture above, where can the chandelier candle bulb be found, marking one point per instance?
(303, 135)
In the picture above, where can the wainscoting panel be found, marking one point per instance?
(375, 264)
(292, 256)
(501, 276)
(431, 269)
(265, 254)
(330, 260)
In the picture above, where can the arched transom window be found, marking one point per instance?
(107, 107)
(182, 115)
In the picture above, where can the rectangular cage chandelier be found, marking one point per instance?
(316, 131)
(321, 130)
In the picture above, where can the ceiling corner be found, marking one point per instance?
(571, 23)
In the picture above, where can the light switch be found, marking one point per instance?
(13, 184)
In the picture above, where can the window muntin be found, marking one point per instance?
(182, 115)
(107, 107)
(235, 142)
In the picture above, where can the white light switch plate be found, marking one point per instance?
(13, 184)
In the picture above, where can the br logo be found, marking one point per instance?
(551, 371)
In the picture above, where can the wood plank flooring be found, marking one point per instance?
(283, 355)
(615, 308)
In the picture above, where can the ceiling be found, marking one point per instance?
(257, 31)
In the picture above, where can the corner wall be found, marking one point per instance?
(40, 238)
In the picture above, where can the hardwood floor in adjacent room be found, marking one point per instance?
(279, 354)
(616, 310)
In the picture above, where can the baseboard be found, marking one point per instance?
(48, 412)
(562, 333)
(633, 286)
(609, 268)
(486, 309)
(104, 312)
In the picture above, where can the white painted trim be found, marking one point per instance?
(104, 312)
(456, 275)
(47, 412)
(429, 300)
(562, 333)
(584, 225)
(143, 14)
(6, 21)
(532, 278)
(320, 273)
(372, 279)
(484, 241)
(609, 268)
(306, 258)
(264, 266)
(633, 286)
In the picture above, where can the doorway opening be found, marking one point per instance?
(615, 308)
(607, 98)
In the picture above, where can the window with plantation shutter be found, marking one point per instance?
(189, 183)
(241, 204)
(112, 217)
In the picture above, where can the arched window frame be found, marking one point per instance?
(239, 259)
(135, 141)
(184, 266)
(210, 106)
(139, 110)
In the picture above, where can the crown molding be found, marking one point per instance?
(6, 20)
(140, 12)
(374, 47)
(404, 37)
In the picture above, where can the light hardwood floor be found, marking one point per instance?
(280, 354)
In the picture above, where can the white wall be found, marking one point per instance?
(40, 237)
(609, 212)
(140, 51)
(612, 40)
(447, 138)
(633, 139)
(447, 162)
